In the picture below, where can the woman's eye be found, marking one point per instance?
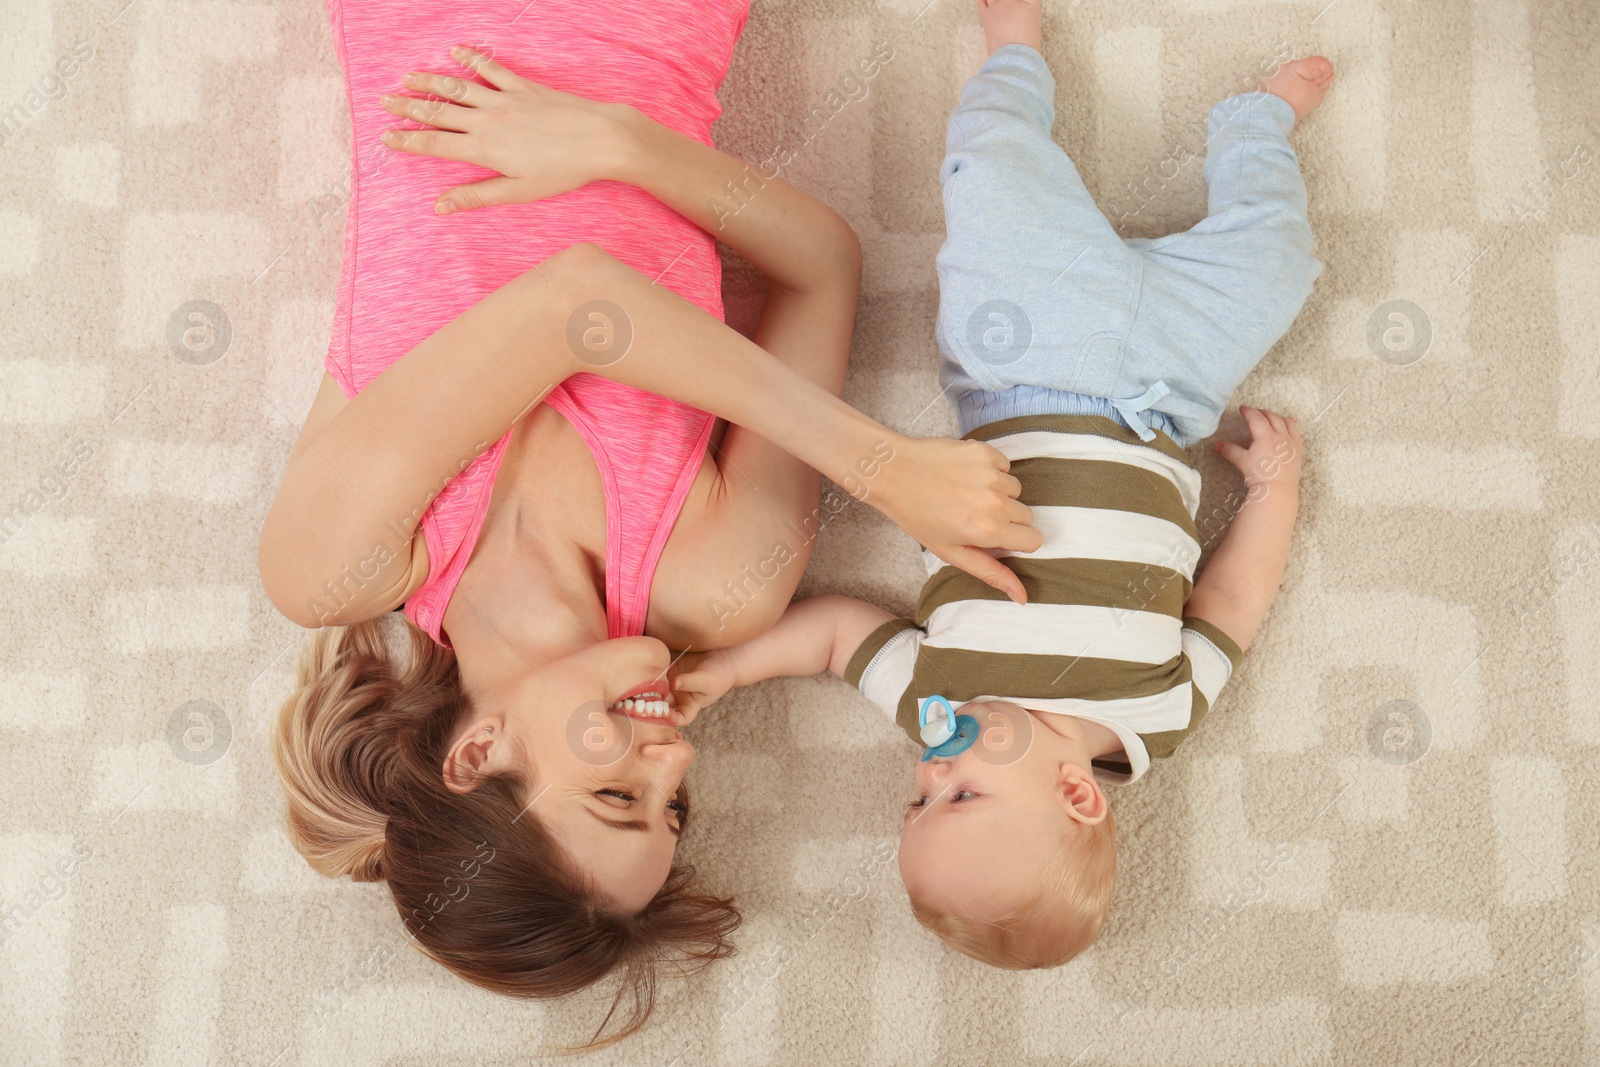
(677, 806)
(618, 794)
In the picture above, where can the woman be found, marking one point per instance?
(517, 777)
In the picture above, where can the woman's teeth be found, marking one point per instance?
(651, 705)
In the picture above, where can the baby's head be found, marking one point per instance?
(1009, 853)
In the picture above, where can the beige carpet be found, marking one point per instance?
(1380, 850)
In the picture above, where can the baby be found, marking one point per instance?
(1092, 362)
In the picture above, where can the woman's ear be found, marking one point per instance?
(475, 755)
(1081, 797)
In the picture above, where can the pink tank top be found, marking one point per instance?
(407, 271)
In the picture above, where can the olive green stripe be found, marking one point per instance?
(871, 647)
(1098, 483)
(1117, 765)
(1229, 646)
(1164, 744)
(1097, 425)
(1099, 583)
(961, 674)
(971, 674)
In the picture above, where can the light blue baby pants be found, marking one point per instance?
(1043, 309)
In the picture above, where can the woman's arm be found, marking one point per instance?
(543, 141)
(337, 545)
(378, 462)
(1241, 579)
(540, 139)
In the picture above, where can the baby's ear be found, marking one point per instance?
(1081, 797)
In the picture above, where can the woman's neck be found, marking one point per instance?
(534, 587)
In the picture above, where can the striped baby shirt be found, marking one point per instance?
(1103, 635)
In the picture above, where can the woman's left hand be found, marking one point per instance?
(542, 141)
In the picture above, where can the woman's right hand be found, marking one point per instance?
(957, 498)
(542, 141)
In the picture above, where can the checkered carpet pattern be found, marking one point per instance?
(1380, 849)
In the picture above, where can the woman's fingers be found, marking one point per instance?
(456, 90)
(995, 456)
(437, 143)
(1019, 537)
(436, 113)
(1017, 512)
(986, 569)
(487, 193)
(1010, 485)
(492, 72)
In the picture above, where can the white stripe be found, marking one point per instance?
(1153, 714)
(1127, 718)
(1044, 444)
(889, 672)
(1209, 666)
(1100, 533)
(1054, 630)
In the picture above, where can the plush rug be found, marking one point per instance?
(1381, 847)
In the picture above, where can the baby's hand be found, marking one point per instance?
(1273, 457)
(699, 679)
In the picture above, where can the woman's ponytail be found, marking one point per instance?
(344, 734)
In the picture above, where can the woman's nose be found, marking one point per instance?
(663, 764)
(671, 756)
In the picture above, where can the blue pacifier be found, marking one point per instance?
(948, 735)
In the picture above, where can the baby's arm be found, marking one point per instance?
(816, 635)
(1238, 585)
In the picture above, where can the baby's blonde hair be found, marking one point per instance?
(1060, 919)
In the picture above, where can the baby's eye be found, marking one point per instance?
(921, 801)
(963, 794)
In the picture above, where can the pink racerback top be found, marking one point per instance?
(407, 271)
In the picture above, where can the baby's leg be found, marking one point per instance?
(1031, 275)
(1011, 22)
(1218, 296)
(1256, 191)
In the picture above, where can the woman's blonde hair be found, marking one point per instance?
(481, 885)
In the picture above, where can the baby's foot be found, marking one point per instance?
(1302, 82)
(1010, 22)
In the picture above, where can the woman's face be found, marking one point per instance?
(607, 779)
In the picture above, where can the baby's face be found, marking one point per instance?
(976, 829)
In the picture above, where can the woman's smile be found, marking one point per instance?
(651, 701)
